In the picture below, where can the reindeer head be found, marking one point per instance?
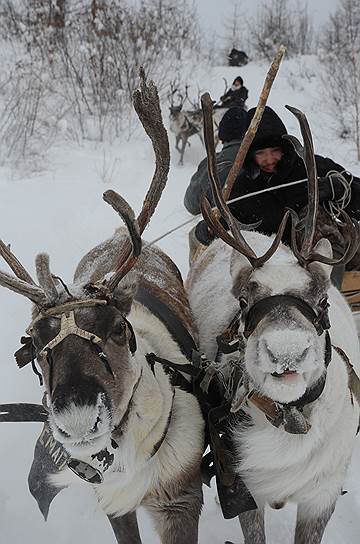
(175, 109)
(80, 335)
(282, 294)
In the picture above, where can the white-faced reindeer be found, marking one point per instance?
(129, 429)
(297, 403)
(187, 123)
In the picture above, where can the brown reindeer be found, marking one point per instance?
(127, 427)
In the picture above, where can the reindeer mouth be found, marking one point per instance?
(285, 374)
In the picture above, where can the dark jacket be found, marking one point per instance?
(199, 183)
(232, 99)
(269, 207)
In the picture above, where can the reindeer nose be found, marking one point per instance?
(288, 356)
(84, 394)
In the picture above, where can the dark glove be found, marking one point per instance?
(203, 234)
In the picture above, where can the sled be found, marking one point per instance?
(350, 288)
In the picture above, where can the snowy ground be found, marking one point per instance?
(61, 211)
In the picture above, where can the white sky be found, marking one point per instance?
(214, 12)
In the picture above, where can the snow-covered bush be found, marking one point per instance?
(73, 65)
(280, 22)
(340, 58)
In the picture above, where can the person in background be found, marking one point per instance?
(232, 128)
(236, 96)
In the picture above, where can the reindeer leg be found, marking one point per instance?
(310, 531)
(177, 521)
(177, 140)
(252, 525)
(126, 529)
(182, 150)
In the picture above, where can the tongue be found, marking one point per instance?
(283, 374)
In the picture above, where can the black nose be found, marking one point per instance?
(81, 393)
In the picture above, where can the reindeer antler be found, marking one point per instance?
(304, 254)
(15, 265)
(238, 242)
(147, 106)
(23, 284)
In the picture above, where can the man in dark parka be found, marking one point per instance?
(272, 161)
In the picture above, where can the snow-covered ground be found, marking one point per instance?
(61, 212)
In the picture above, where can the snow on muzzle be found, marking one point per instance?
(80, 416)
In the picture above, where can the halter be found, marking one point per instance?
(288, 415)
(259, 310)
(102, 460)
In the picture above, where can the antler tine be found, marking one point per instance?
(125, 211)
(147, 106)
(219, 230)
(260, 261)
(294, 247)
(15, 264)
(44, 276)
(28, 290)
(308, 156)
(241, 244)
(214, 223)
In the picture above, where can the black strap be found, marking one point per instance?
(260, 309)
(174, 325)
(22, 411)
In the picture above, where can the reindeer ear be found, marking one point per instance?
(323, 247)
(124, 293)
(240, 270)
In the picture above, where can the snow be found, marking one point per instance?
(60, 211)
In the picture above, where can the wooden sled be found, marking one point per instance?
(350, 288)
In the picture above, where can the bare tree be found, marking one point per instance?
(234, 27)
(340, 55)
(279, 22)
(80, 59)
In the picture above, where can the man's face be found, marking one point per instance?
(268, 158)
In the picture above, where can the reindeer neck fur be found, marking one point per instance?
(278, 467)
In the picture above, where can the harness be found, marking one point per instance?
(101, 461)
(234, 496)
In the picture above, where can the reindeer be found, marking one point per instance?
(295, 406)
(187, 123)
(127, 427)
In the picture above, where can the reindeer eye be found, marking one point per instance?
(243, 303)
(119, 330)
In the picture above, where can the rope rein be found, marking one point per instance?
(332, 207)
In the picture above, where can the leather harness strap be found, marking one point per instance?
(173, 324)
(261, 309)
